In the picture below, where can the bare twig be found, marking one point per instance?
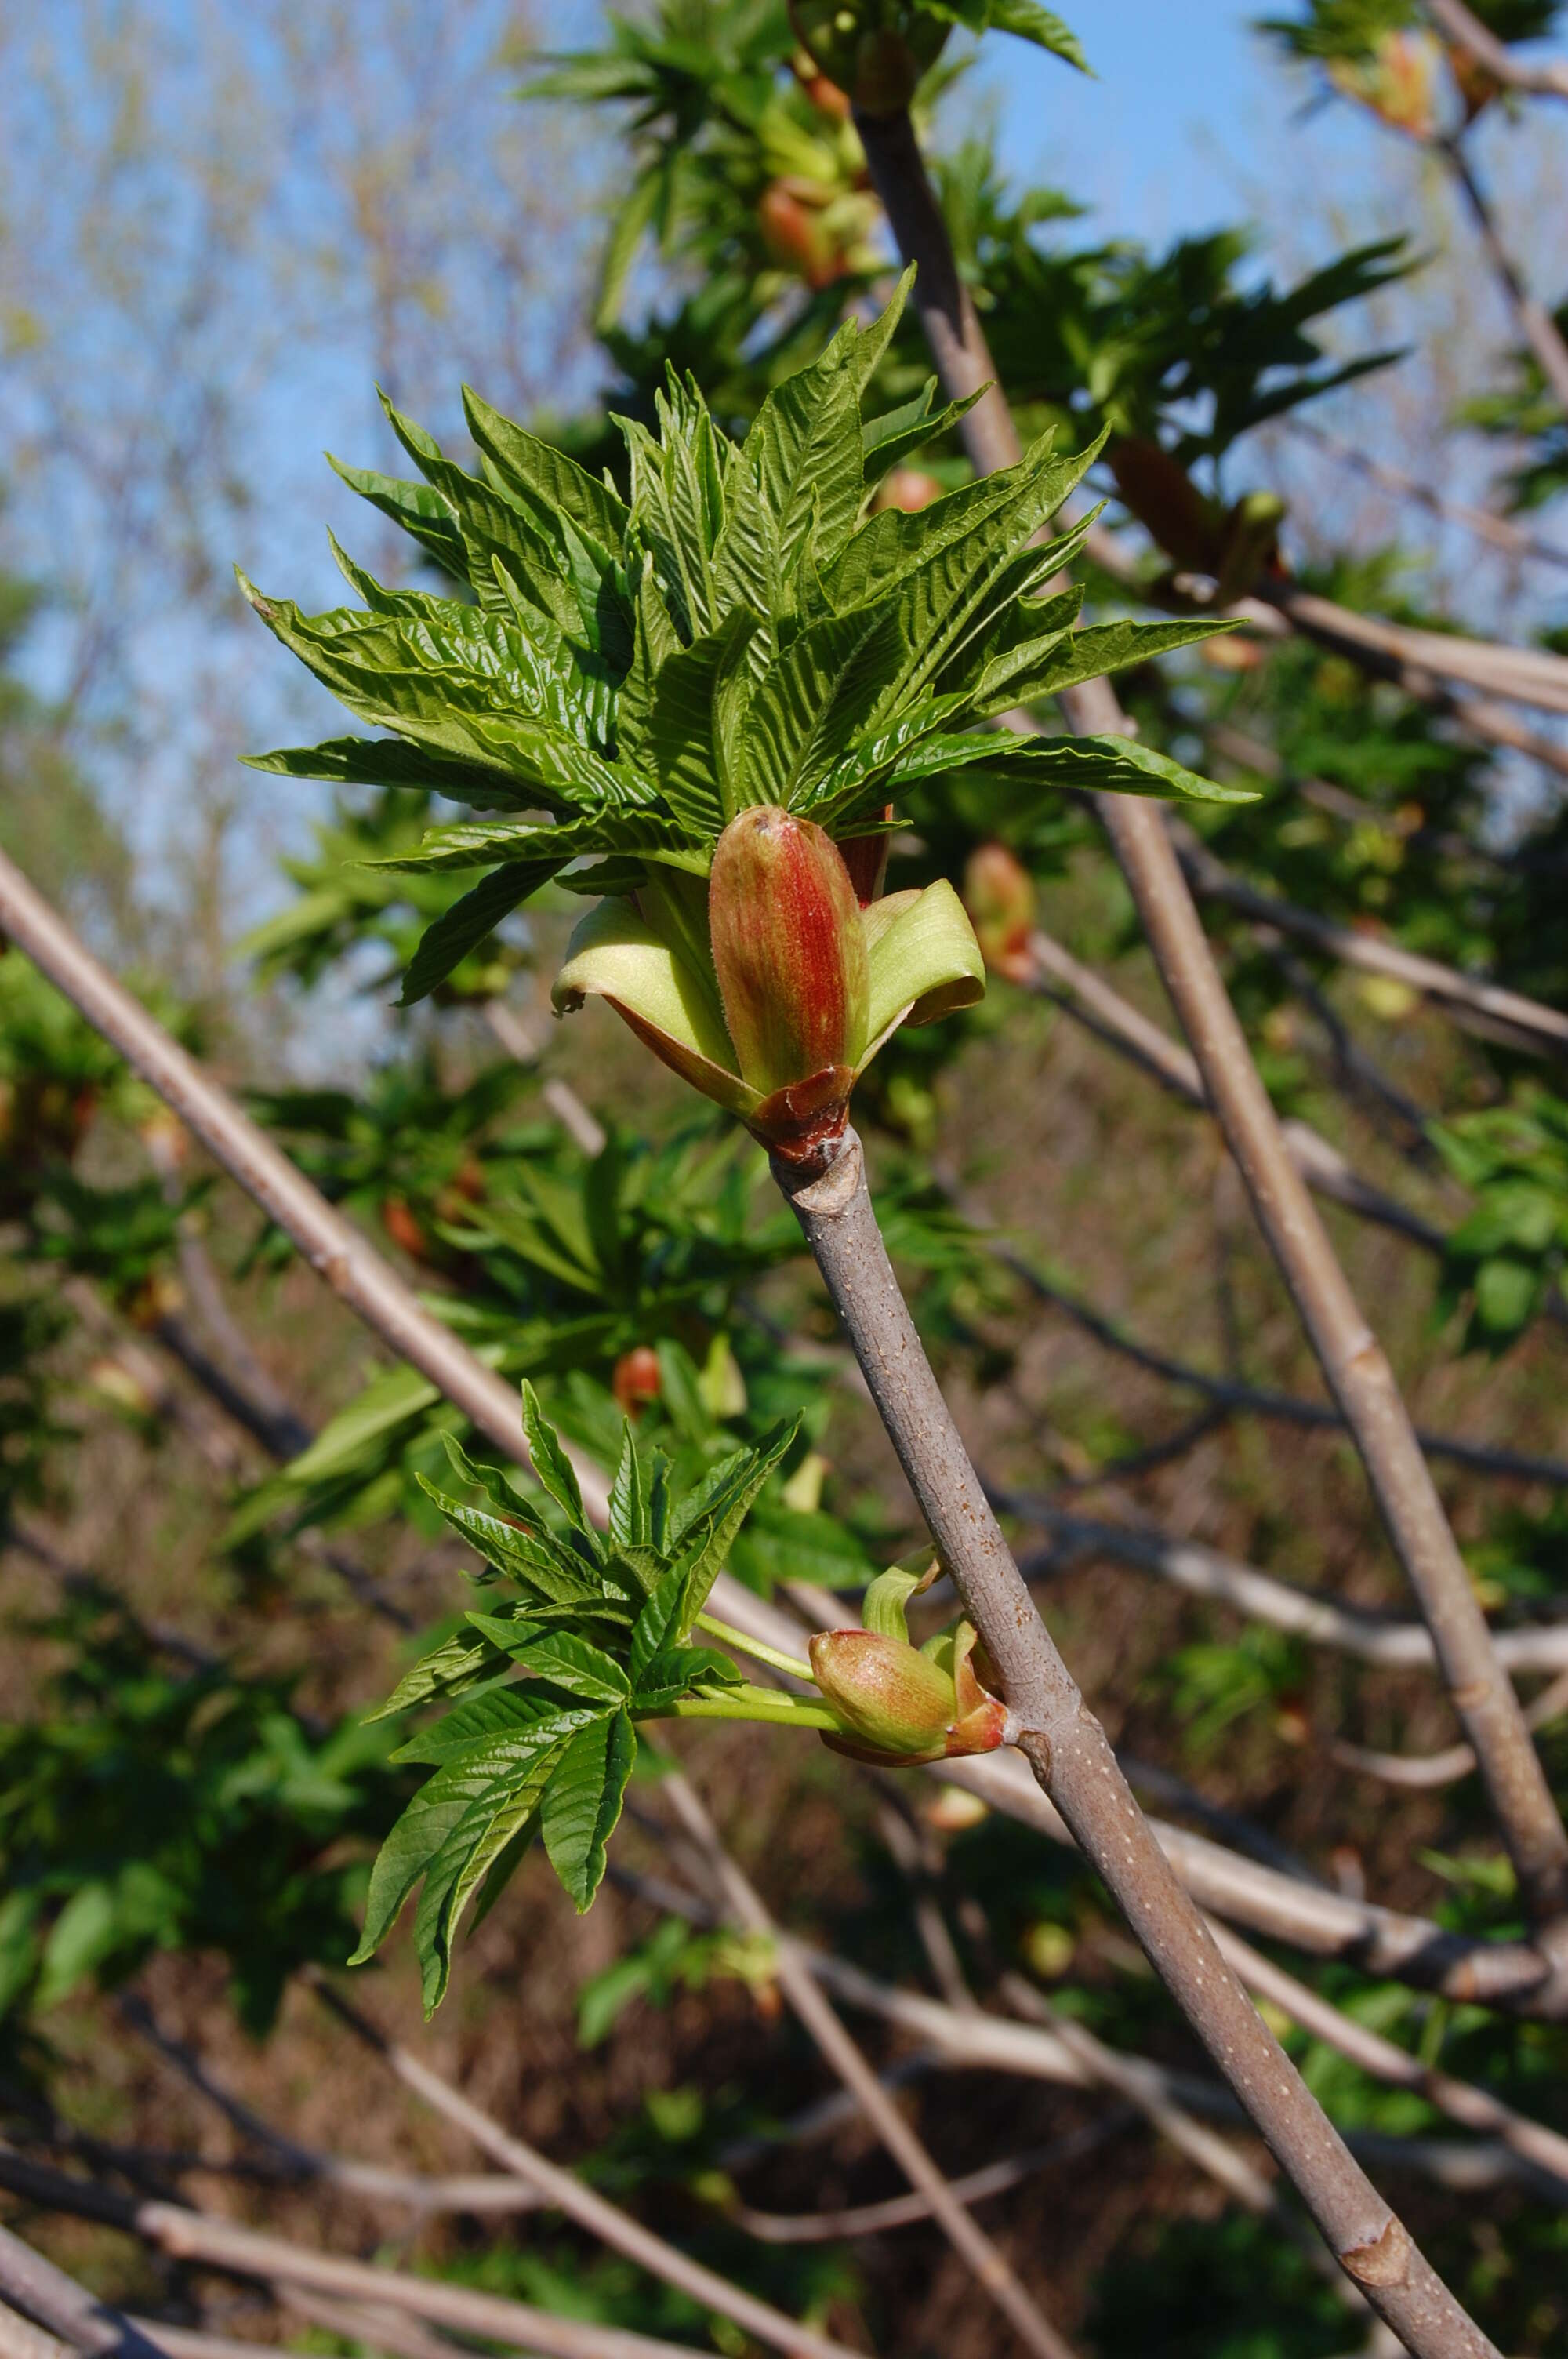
(1072, 1762)
(1202, 1571)
(1499, 532)
(303, 2164)
(186, 2235)
(1464, 29)
(1357, 1372)
(1536, 325)
(744, 1905)
(566, 2192)
(1087, 996)
(903, 2211)
(1035, 2052)
(1455, 1761)
(1539, 1028)
(47, 2295)
(1541, 2148)
(1511, 1976)
(1254, 1401)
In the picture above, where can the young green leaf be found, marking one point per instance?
(582, 1802)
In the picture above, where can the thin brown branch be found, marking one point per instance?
(564, 2193)
(903, 2211)
(1420, 1770)
(1536, 325)
(1464, 29)
(1421, 664)
(1357, 1372)
(743, 1905)
(42, 2292)
(1201, 1571)
(1087, 996)
(1033, 2051)
(188, 2236)
(1072, 1762)
(1497, 531)
(1512, 1977)
(1536, 1027)
(1254, 1400)
(301, 2164)
(1478, 2109)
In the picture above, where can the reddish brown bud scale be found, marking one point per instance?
(889, 1693)
(866, 858)
(788, 949)
(636, 1379)
(907, 488)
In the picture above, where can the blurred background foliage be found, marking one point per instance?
(217, 230)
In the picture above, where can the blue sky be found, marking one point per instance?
(1185, 102)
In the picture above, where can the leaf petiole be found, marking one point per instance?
(756, 1649)
(752, 1704)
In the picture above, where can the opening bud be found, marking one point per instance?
(999, 895)
(794, 973)
(896, 1700)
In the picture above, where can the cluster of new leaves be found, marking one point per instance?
(1505, 1256)
(1171, 347)
(740, 633)
(1353, 29)
(600, 1625)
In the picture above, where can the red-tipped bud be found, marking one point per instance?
(637, 1378)
(890, 1695)
(405, 1229)
(797, 236)
(999, 895)
(866, 858)
(790, 953)
(909, 488)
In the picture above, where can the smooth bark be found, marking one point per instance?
(1072, 1762)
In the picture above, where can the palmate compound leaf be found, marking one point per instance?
(582, 1802)
(740, 631)
(544, 1740)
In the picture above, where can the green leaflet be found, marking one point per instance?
(1086, 765)
(495, 1712)
(812, 701)
(384, 762)
(523, 845)
(524, 1556)
(708, 1520)
(543, 476)
(462, 928)
(560, 1658)
(421, 512)
(450, 1667)
(693, 739)
(551, 1751)
(885, 441)
(582, 1802)
(440, 1806)
(552, 1468)
(1027, 18)
(1034, 671)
